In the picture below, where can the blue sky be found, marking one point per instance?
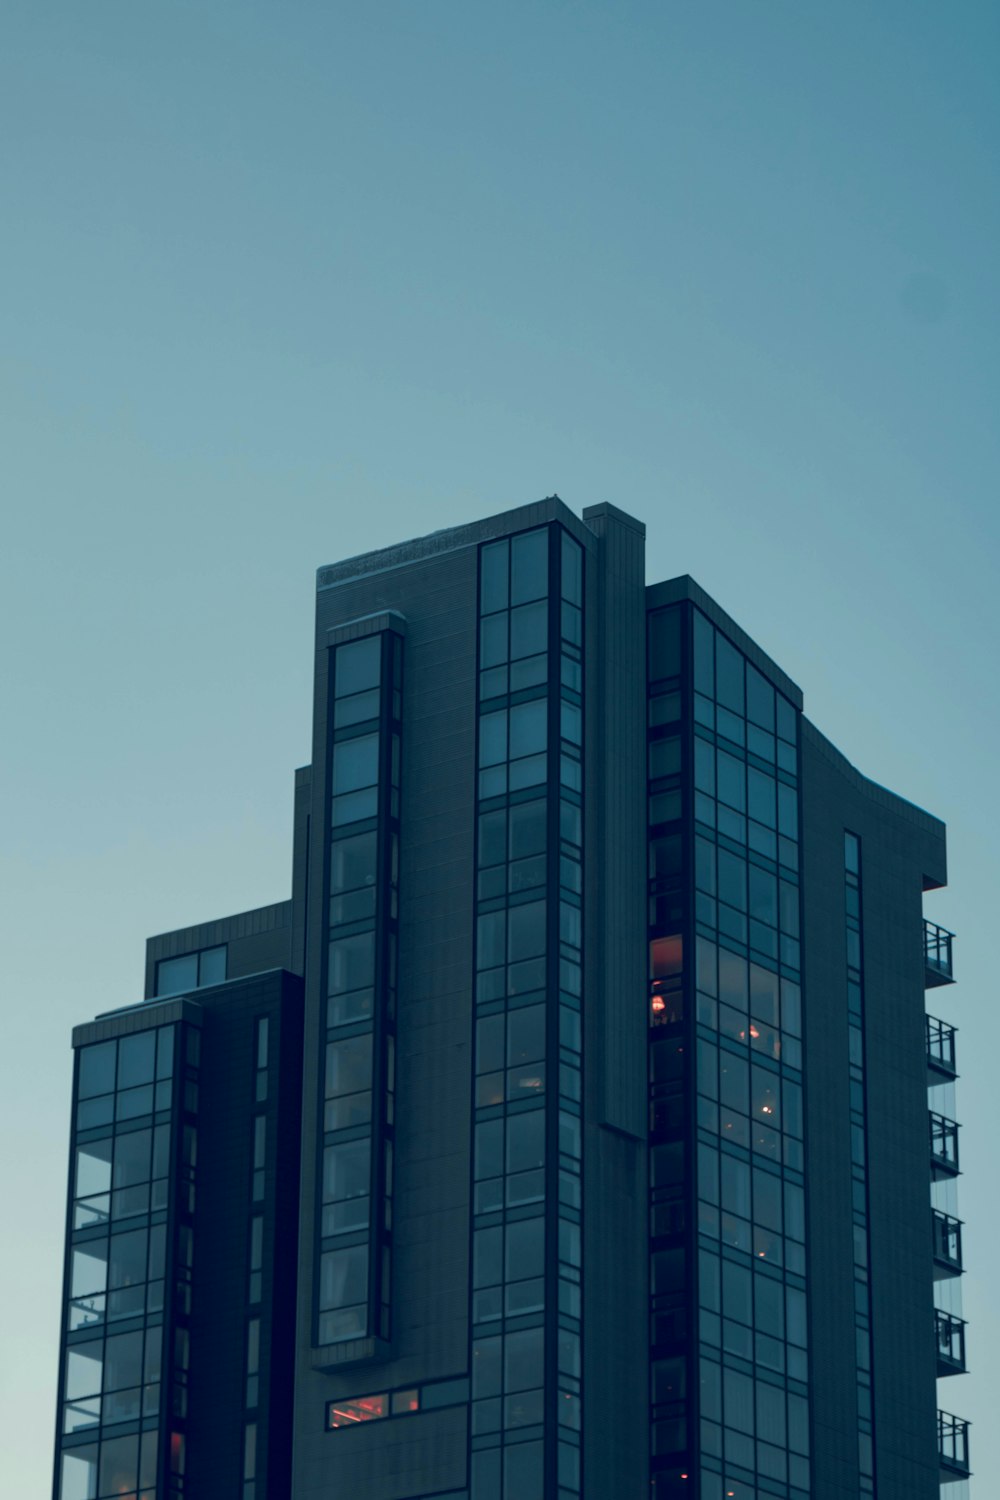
(281, 284)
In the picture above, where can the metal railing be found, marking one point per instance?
(941, 1046)
(944, 1145)
(953, 1442)
(950, 1338)
(938, 964)
(947, 1242)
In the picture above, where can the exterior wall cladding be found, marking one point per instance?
(567, 1133)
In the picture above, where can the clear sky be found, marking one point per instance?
(281, 283)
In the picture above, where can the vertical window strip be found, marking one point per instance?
(356, 1151)
(128, 1289)
(526, 1254)
(751, 1274)
(667, 932)
(854, 940)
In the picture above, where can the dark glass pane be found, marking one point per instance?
(525, 1141)
(760, 802)
(493, 564)
(704, 655)
(493, 641)
(528, 629)
(528, 729)
(525, 1035)
(525, 1249)
(664, 644)
(732, 879)
(787, 720)
(119, 1465)
(348, 1065)
(529, 567)
(358, 666)
(526, 931)
(572, 570)
(664, 757)
(352, 963)
(173, 975)
(729, 670)
(136, 1059)
(97, 1069)
(355, 764)
(493, 837)
(760, 699)
(527, 829)
(732, 789)
(763, 896)
(352, 862)
(212, 966)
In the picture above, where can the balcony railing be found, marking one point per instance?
(950, 1338)
(938, 967)
(940, 1049)
(947, 1244)
(944, 1146)
(953, 1445)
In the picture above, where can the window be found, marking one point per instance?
(191, 971)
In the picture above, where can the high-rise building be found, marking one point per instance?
(567, 1132)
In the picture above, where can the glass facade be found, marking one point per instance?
(358, 1074)
(527, 1196)
(859, 1160)
(729, 1395)
(123, 1389)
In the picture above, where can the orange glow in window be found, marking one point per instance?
(361, 1409)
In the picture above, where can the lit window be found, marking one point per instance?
(361, 1409)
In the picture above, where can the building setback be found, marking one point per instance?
(567, 1132)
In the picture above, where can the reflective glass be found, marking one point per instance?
(358, 666)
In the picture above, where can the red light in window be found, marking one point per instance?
(754, 1032)
(659, 1004)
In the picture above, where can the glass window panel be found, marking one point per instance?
(493, 575)
(344, 1277)
(704, 655)
(572, 570)
(212, 966)
(123, 1361)
(522, 1472)
(355, 764)
(525, 1249)
(487, 1257)
(732, 879)
(176, 974)
(731, 773)
(735, 1186)
(664, 644)
(760, 699)
(348, 1065)
(526, 931)
(529, 566)
(732, 979)
(761, 796)
(525, 1034)
(136, 1059)
(491, 933)
(493, 738)
(523, 1359)
(489, 1148)
(353, 862)
(729, 675)
(788, 811)
(84, 1370)
(493, 836)
(493, 641)
(78, 1480)
(704, 766)
(358, 666)
(528, 728)
(352, 963)
(525, 1141)
(93, 1168)
(529, 629)
(119, 1465)
(733, 1082)
(763, 896)
(527, 829)
(357, 709)
(346, 1172)
(787, 720)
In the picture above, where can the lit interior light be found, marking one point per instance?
(659, 1004)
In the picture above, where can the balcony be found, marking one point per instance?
(940, 1050)
(944, 1146)
(937, 956)
(947, 1244)
(950, 1340)
(953, 1446)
